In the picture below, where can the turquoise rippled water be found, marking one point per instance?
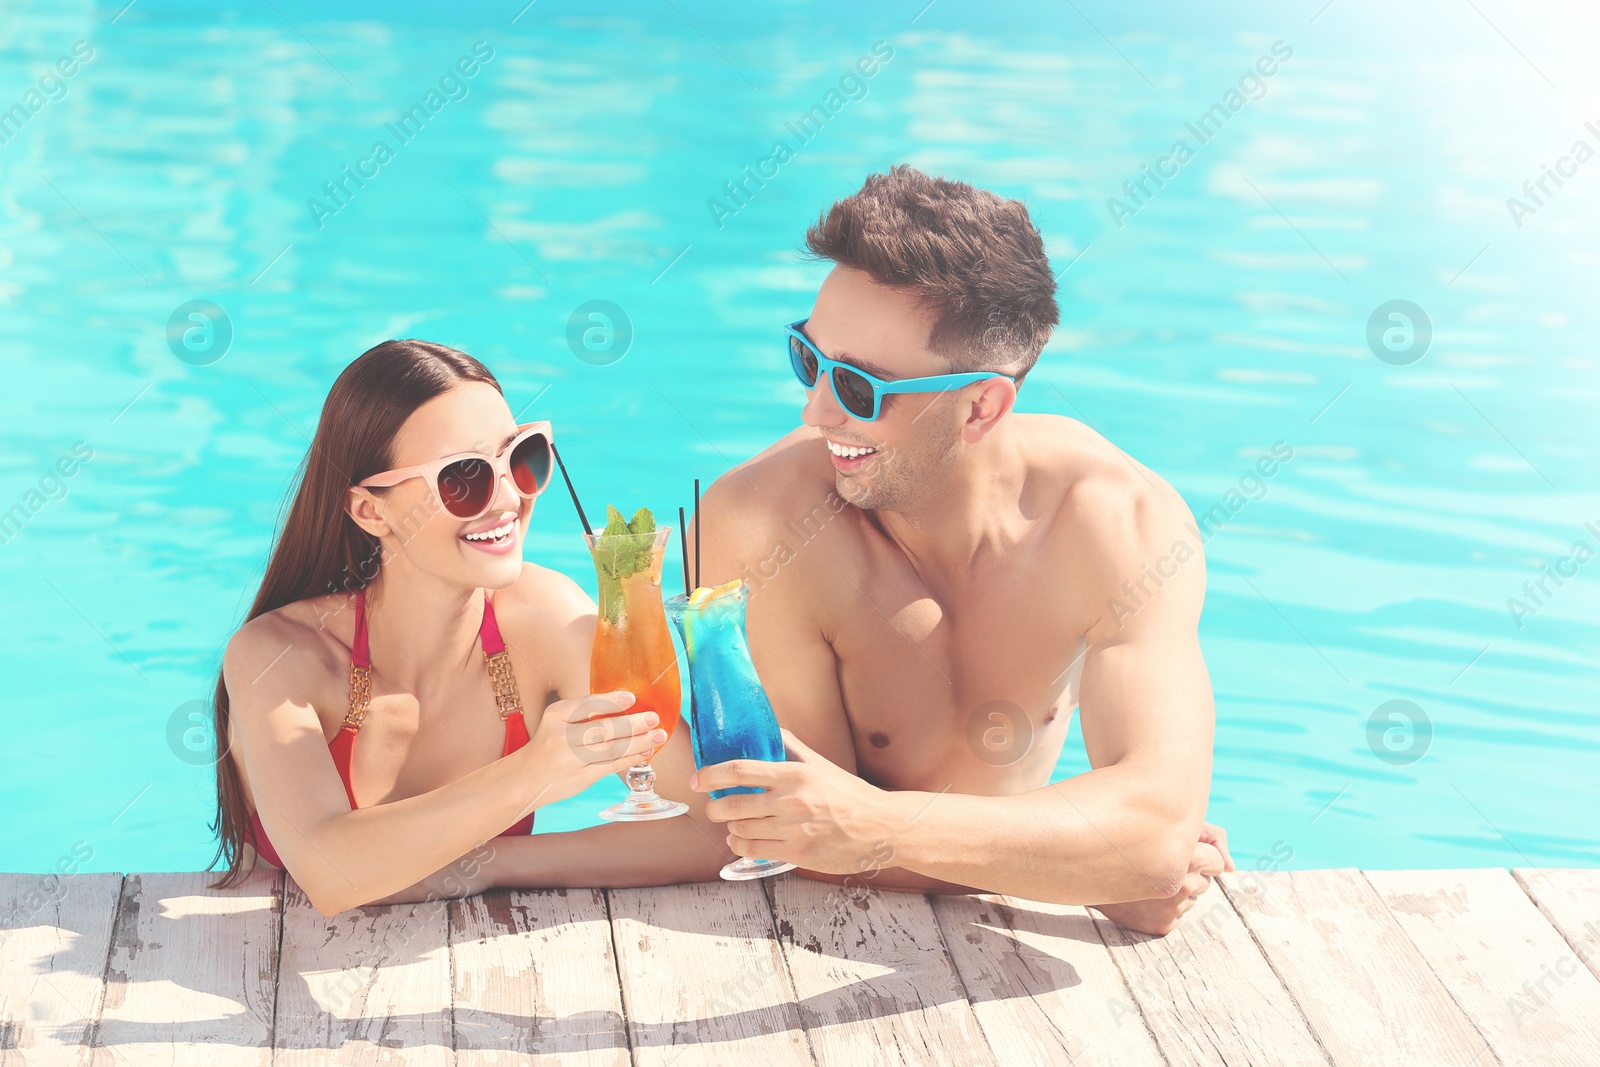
(1205, 321)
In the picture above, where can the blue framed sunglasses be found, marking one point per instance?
(859, 393)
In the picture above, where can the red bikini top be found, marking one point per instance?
(343, 744)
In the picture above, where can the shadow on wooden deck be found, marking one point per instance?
(1458, 967)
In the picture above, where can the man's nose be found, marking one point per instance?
(822, 408)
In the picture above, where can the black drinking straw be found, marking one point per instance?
(683, 540)
(697, 533)
(568, 479)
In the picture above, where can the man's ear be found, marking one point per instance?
(992, 401)
(362, 506)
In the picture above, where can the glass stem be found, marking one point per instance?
(641, 779)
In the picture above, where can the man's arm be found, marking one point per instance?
(1127, 828)
(1124, 831)
(797, 666)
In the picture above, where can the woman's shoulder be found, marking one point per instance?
(549, 618)
(542, 599)
(293, 648)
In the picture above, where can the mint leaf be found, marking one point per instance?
(611, 599)
(623, 549)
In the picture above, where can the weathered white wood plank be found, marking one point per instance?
(703, 977)
(1367, 992)
(1570, 899)
(1042, 983)
(373, 982)
(192, 972)
(1490, 946)
(535, 980)
(1208, 994)
(1380, 965)
(875, 982)
(54, 933)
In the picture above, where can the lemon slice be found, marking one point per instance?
(703, 594)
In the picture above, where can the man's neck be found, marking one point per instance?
(972, 515)
(420, 626)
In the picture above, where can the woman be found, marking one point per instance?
(396, 608)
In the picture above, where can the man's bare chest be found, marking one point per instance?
(970, 693)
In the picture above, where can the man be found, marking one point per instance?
(937, 581)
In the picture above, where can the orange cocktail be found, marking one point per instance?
(633, 646)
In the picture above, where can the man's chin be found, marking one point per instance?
(859, 490)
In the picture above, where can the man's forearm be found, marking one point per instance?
(897, 879)
(1100, 838)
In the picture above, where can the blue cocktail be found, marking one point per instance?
(730, 716)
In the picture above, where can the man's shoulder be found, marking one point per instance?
(760, 503)
(1110, 503)
(798, 458)
(1121, 527)
(790, 476)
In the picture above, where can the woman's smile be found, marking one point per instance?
(497, 540)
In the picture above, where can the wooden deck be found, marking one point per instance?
(1468, 967)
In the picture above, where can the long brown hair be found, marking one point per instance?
(320, 549)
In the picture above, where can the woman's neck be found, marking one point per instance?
(419, 626)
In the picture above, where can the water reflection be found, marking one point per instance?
(1227, 314)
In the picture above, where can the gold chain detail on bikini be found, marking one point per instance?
(506, 698)
(360, 695)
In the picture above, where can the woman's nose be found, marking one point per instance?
(506, 497)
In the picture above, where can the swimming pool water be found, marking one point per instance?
(1207, 319)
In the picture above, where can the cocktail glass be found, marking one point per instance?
(730, 715)
(633, 651)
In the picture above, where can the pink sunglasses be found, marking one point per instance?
(465, 482)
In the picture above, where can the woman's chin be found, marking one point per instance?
(496, 566)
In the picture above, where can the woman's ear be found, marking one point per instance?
(363, 507)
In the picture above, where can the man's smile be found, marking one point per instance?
(849, 458)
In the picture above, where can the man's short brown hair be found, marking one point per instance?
(969, 256)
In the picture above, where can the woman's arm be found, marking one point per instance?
(551, 634)
(610, 856)
(342, 858)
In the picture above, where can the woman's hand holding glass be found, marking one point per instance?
(580, 741)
